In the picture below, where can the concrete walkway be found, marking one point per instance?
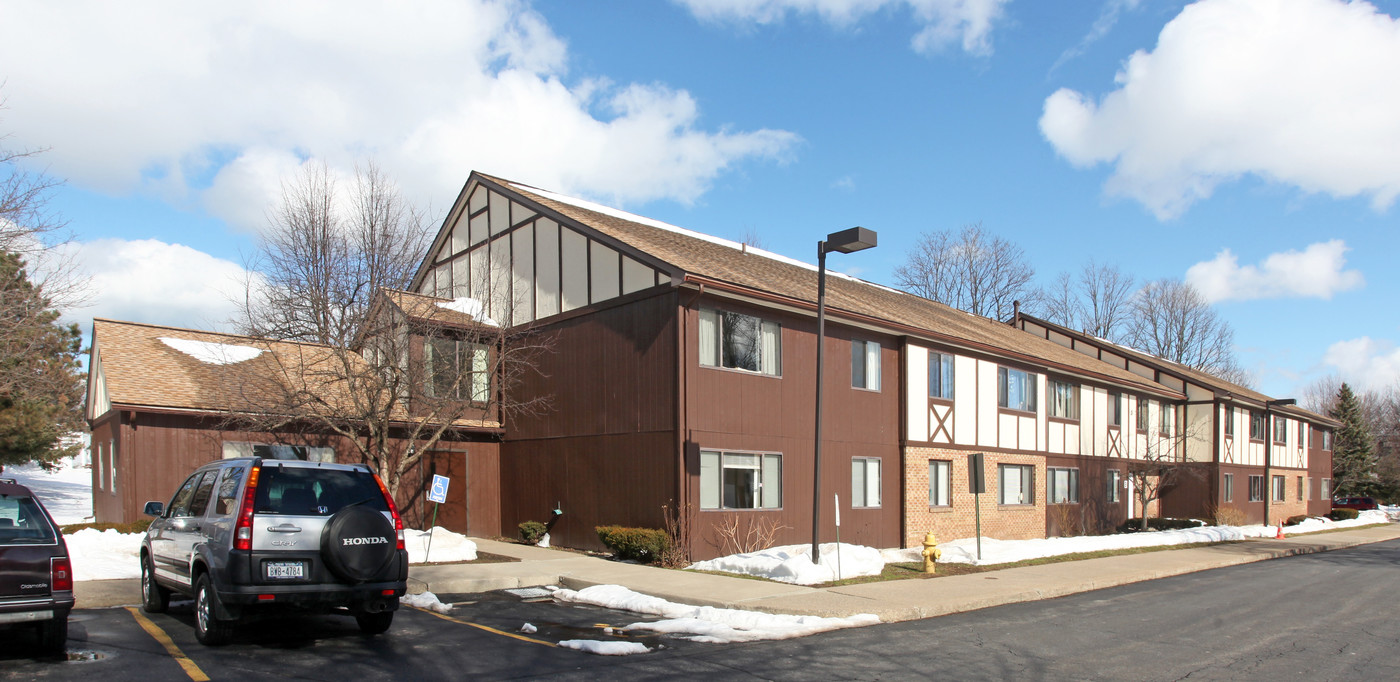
(895, 600)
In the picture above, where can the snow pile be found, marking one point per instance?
(529, 629)
(447, 546)
(594, 646)
(426, 601)
(470, 307)
(212, 353)
(104, 554)
(66, 491)
(707, 623)
(793, 563)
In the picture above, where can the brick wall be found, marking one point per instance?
(958, 520)
(1291, 505)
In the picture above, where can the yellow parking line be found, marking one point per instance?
(512, 635)
(159, 635)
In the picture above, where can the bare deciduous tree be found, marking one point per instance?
(1164, 465)
(1096, 302)
(971, 270)
(1170, 319)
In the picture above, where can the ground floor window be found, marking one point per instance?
(1016, 484)
(740, 480)
(1115, 484)
(1278, 488)
(865, 482)
(940, 475)
(1227, 487)
(1325, 491)
(1256, 488)
(1302, 494)
(1062, 485)
(306, 453)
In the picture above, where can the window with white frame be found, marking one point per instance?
(1115, 409)
(1326, 440)
(1325, 491)
(1256, 488)
(1278, 488)
(865, 365)
(1280, 429)
(741, 480)
(1227, 488)
(1115, 485)
(1064, 400)
(743, 342)
(1015, 389)
(1061, 485)
(940, 375)
(1229, 422)
(940, 476)
(1016, 484)
(457, 369)
(865, 482)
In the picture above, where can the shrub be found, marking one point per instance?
(532, 531)
(1228, 515)
(1134, 525)
(1343, 514)
(639, 544)
(1295, 520)
(133, 527)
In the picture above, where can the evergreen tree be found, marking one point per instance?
(1353, 451)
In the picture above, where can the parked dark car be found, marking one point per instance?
(251, 537)
(36, 577)
(1357, 503)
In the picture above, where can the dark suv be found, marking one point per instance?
(36, 579)
(251, 537)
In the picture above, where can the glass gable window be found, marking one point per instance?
(744, 342)
(865, 482)
(1016, 484)
(738, 480)
(456, 369)
(1064, 400)
(940, 375)
(865, 365)
(1015, 389)
(1062, 485)
(940, 474)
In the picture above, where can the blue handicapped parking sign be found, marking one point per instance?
(438, 493)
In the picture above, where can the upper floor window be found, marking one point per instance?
(1229, 421)
(1302, 427)
(1064, 400)
(1280, 430)
(1115, 409)
(737, 341)
(457, 369)
(1015, 389)
(1142, 405)
(940, 375)
(1256, 425)
(1166, 419)
(865, 365)
(1326, 440)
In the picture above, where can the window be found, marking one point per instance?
(1325, 491)
(1309, 431)
(1064, 400)
(1301, 430)
(1115, 409)
(865, 482)
(940, 375)
(738, 480)
(1166, 419)
(1256, 488)
(112, 460)
(1227, 488)
(1017, 484)
(226, 501)
(1301, 494)
(865, 365)
(1256, 425)
(744, 342)
(200, 502)
(456, 369)
(180, 503)
(1326, 440)
(940, 474)
(1280, 430)
(1278, 488)
(1062, 485)
(1015, 389)
(1142, 409)
(1115, 485)
(1229, 422)
(306, 453)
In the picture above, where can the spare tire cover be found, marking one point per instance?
(357, 543)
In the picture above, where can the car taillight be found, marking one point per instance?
(393, 510)
(243, 529)
(60, 574)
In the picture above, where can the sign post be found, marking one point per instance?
(977, 484)
(437, 494)
(837, 497)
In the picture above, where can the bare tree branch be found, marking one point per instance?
(972, 270)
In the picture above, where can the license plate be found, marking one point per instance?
(284, 569)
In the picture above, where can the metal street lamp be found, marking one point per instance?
(845, 241)
(1269, 448)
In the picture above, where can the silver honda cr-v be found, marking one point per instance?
(251, 537)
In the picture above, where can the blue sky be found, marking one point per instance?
(1250, 146)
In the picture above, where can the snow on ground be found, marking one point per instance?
(793, 563)
(426, 600)
(594, 646)
(446, 546)
(66, 492)
(707, 623)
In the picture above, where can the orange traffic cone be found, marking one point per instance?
(1280, 533)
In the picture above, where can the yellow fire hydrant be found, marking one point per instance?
(931, 552)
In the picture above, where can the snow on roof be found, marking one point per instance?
(469, 306)
(212, 353)
(651, 222)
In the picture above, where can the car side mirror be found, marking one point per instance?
(153, 509)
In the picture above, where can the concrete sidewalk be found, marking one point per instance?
(892, 600)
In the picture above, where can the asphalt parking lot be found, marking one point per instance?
(481, 637)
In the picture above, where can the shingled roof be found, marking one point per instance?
(700, 257)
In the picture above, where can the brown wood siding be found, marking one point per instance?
(1093, 514)
(1319, 467)
(473, 504)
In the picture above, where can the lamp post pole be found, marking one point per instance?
(845, 241)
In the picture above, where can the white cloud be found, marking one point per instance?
(169, 98)
(1303, 93)
(941, 22)
(1107, 19)
(147, 280)
(1365, 363)
(1315, 272)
